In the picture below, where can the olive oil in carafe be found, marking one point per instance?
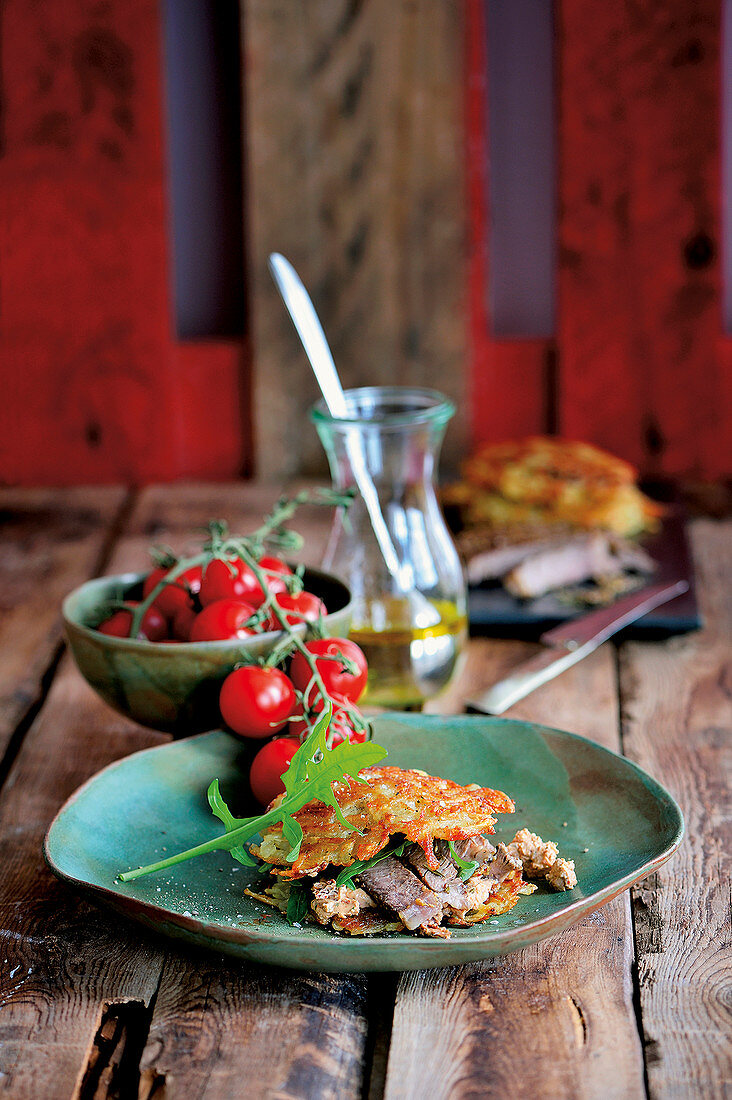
(408, 663)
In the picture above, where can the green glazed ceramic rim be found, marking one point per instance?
(125, 581)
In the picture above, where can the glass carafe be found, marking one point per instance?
(392, 547)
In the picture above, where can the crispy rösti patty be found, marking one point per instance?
(418, 806)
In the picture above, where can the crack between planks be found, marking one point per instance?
(380, 1006)
(634, 964)
(580, 1023)
(112, 1070)
(26, 720)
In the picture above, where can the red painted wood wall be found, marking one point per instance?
(98, 388)
(639, 362)
(96, 385)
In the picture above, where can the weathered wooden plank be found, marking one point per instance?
(63, 962)
(354, 118)
(218, 1024)
(215, 429)
(512, 388)
(87, 341)
(677, 723)
(50, 542)
(557, 1018)
(176, 514)
(639, 195)
(89, 348)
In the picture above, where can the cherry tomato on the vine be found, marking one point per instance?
(302, 608)
(268, 766)
(175, 595)
(153, 627)
(234, 580)
(221, 620)
(182, 622)
(337, 679)
(346, 724)
(257, 702)
(343, 728)
(275, 565)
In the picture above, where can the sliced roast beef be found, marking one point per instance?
(505, 861)
(445, 879)
(478, 848)
(583, 558)
(490, 565)
(396, 887)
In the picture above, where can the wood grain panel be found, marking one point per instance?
(639, 277)
(75, 986)
(557, 1017)
(63, 961)
(677, 723)
(218, 1025)
(215, 428)
(355, 145)
(512, 389)
(176, 514)
(85, 307)
(50, 542)
(94, 389)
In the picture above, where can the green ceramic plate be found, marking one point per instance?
(565, 788)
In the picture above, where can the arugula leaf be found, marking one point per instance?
(297, 903)
(222, 812)
(467, 867)
(348, 874)
(313, 770)
(292, 831)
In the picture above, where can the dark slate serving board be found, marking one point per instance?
(494, 611)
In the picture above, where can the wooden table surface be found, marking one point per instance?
(634, 1001)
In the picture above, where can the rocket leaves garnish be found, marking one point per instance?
(220, 810)
(467, 867)
(310, 777)
(348, 874)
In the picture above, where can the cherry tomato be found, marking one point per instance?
(275, 565)
(342, 729)
(220, 582)
(269, 765)
(175, 595)
(180, 627)
(221, 620)
(153, 627)
(302, 608)
(337, 679)
(342, 726)
(256, 701)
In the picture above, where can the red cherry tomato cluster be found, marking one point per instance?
(216, 603)
(224, 600)
(257, 702)
(153, 627)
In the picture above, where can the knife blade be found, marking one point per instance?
(571, 642)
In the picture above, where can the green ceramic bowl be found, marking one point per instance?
(174, 688)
